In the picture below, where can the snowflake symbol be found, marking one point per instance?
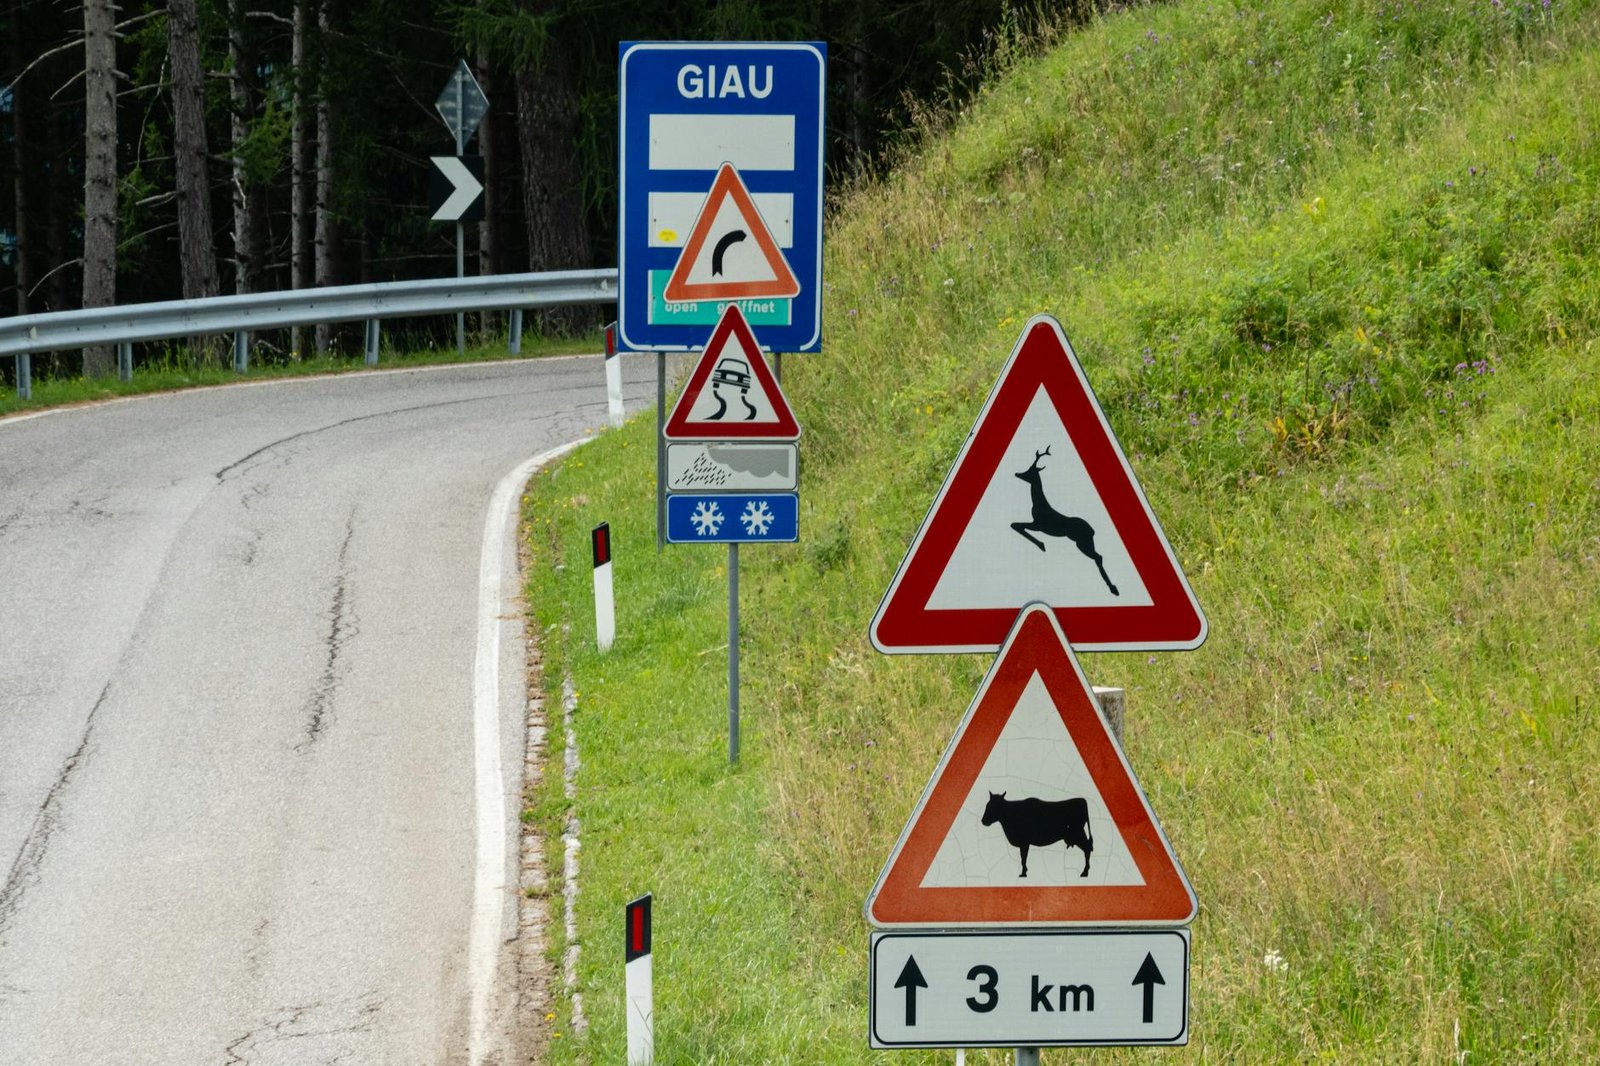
(757, 518)
(707, 518)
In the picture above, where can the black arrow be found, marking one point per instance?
(733, 237)
(1149, 975)
(911, 979)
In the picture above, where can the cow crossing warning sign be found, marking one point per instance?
(1040, 504)
(1033, 816)
(730, 253)
(731, 393)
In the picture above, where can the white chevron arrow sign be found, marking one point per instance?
(464, 188)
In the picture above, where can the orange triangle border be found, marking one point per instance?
(783, 285)
(1036, 645)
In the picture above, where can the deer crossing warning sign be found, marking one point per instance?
(1033, 816)
(1040, 504)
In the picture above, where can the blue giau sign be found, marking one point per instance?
(689, 113)
(733, 518)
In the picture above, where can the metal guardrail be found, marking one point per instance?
(23, 335)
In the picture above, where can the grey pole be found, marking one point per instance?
(125, 360)
(372, 334)
(516, 331)
(241, 351)
(24, 376)
(733, 652)
(461, 230)
(661, 450)
(1113, 703)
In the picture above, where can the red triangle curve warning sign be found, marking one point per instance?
(731, 394)
(1033, 816)
(1040, 504)
(730, 253)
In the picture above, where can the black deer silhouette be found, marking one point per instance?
(1052, 523)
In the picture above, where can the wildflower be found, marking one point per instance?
(1274, 961)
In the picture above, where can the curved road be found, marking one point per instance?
(240, 663)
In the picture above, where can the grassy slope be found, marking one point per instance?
(1331, 267)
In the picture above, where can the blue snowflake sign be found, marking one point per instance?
(733, 518)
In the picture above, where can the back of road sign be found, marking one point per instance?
(685, 109)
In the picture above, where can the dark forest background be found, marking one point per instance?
(194, 147)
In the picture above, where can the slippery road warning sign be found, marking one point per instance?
(1040, 504)
(1033, 816)
(730, 253)
(731, 394)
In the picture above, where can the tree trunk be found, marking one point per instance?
(324, 231)
(247, 201)
(299, 151)
(197, 255)
(486, 149)
(99, 171)
(547, 128)
(20, 148)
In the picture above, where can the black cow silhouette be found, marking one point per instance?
(1034, 823)
(1052, 523)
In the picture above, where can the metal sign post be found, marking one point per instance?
(733, 652)
(462, 105)
(461, 230)
(720, 219)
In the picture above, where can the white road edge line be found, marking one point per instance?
(489, 883)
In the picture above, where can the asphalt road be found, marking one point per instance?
(239, 643)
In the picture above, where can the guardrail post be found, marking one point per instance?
(372, 341)
(24, 376)
(516, 332)
(241, 351)
(125, 360)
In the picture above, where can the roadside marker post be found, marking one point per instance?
(639, 978)
(605, 608)
(613, 378)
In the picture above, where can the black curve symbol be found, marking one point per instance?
(733, 237)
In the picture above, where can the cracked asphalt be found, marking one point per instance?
(237, 630)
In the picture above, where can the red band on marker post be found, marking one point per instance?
(611, 340)
(601, 542)
(637, 944)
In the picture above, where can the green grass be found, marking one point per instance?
(1331, 267)
(179, 369)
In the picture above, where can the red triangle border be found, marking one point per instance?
(1043, 357)
(678, 427)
